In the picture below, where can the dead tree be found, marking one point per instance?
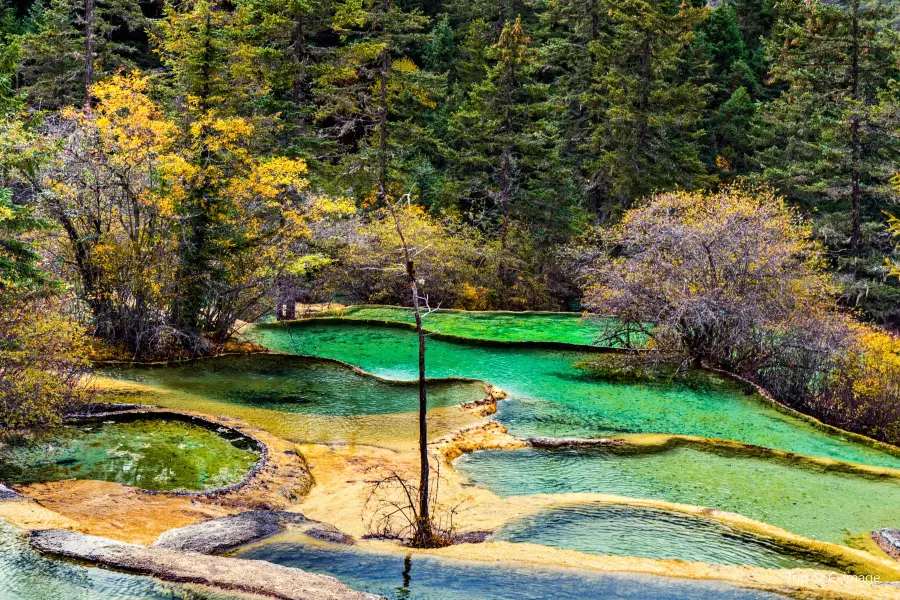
(424, 535)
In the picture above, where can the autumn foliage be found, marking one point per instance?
(153, 209)
(734, 280)
(43, 349)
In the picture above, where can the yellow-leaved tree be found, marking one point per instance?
(175, 227)
(239, 205)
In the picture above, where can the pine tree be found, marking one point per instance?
(507, 153)
(373, 98)
(287, 38)
(572, 30)
(831, 140)
(723, 64)
(18, 259)
(75, 44)
(214, 80)
(729, 128)
(11, 30)
(478, 24)
(755, 20)
(440, 51)
(645, 114)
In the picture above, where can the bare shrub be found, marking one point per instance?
(734, 280)
(391, 512)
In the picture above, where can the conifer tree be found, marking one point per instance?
(287, 38)
(373, 97)
(74, 44)
(723, 63)
(831, 140)
(215, 78)
(440, 51)
(11, 30)
(507, 154)
(18, 258)
(645, 114)
(572, 30)
(478, 24)
(755, 20)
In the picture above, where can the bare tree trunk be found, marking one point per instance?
(299, 62)
(856, 232)
(424, 532)
(595, 20)
(424, 536)
(88, 51)
(383, 134)
(505, 192)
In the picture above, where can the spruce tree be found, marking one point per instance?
(372, 98)
(723, 63)
(572, 30)
(831, 140)
(507, 152)
(213, 79)
(75, 44)
(646, 115)
(478, 24)
(288, 38)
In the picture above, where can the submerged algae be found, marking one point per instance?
(549, 396)
(297, 398)
(295, 384)
(152, 453)
(818, 503)
(495, 326)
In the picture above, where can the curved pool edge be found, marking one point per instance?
(761, 579)
(493, 436)
(820, 425)
(763, 396)
(799, 583)
(278, 482)
(452, 337)
(209, 422)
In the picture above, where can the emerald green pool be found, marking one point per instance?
(296, 384)
(26, 575)
(417, 577)
(622, 530)
(497, 326)
(549, 396)
(817, 503)
(149, 453)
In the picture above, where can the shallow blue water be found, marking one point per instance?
(814, 502)
(622, 530)
(427, 578)
(26, 575)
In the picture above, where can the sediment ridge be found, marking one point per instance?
(250, 576)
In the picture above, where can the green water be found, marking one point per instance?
(296, 385)
(622, 530)
(149, 453)
(816, 503)
(418, 577)
(569, 328)
(550, 397)
(26, 575)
